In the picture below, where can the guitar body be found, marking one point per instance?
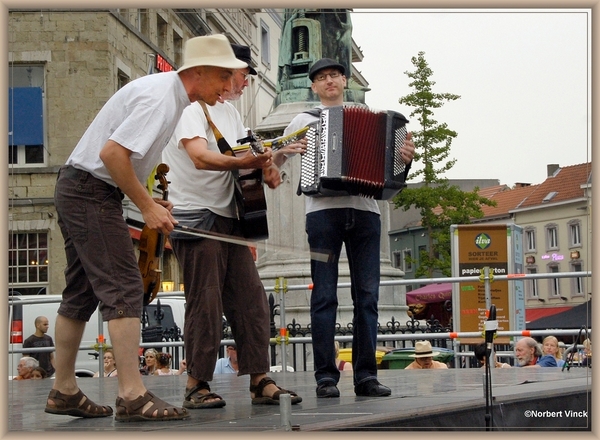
(252, 204)
(249, 190)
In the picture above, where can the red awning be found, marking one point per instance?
(541, 312)
(432, 293)
(136, 234)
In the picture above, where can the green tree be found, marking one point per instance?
(440, 204)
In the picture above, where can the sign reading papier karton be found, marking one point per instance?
(498, 247)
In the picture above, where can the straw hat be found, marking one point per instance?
(423, 349)
(210, 50)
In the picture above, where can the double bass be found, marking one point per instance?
(152, 244)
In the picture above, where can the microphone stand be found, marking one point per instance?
(491, 325)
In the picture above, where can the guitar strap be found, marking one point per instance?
(226, 149)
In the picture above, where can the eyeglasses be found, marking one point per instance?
(245, 75)
(323, 76)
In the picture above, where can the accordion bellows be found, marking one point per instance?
(353, 150)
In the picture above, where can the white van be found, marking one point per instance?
(165, 318)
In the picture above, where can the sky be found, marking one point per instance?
(523, 77)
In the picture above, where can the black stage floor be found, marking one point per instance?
(545, 399)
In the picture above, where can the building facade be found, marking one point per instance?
(63, 66)
(557, 235)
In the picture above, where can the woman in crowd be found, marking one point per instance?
(150, 356)
(110, 366)
(163, 366)
(550, 347)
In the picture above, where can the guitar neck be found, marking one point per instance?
(273, 144)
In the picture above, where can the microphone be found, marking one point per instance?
(491, 325)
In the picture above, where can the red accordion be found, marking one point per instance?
(352, 150)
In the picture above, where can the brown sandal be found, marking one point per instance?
(194, 399)
(259, 399)
(131, 411)
(69, 405)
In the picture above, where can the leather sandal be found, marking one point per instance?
(131, 410)
(194, 399)
(259, 399)
(69, 405)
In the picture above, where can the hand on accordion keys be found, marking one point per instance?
(408, 149)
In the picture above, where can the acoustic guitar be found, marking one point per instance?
(249, 191)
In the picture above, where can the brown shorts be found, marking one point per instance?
(101, 262)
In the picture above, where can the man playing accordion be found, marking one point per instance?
(333, 221)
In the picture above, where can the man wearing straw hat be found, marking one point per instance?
(114, 158)
(424, 355)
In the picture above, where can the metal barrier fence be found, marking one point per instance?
(293, 339)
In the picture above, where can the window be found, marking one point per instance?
(161, 29)
(406, 260)
(265, 43)
(122, 79)
(577, 284)
(531, 286)
(28, 260)
(143, 22)
(554, 282)
(26, 116)
(530, 240)
(397, 259)
(177, 49)
(551, 237)
(575, 233)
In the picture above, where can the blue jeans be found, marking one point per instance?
(360, 231)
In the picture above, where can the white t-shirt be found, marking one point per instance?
(320, 203)
(141, 117)
(191, 189)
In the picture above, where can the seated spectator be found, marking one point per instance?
(479, 352)
(39, 373)
(587, 353)
(110, 366)
(528, 353)
(342, 365)
(149, 367)
(163, 365)
(229, 363)
(550, 347)
(26, 366)
(424, 355)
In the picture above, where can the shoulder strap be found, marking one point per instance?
(226, 149)
(221, 141)
(316, 112)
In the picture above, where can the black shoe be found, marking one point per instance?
(372, 388)
(328, 389)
